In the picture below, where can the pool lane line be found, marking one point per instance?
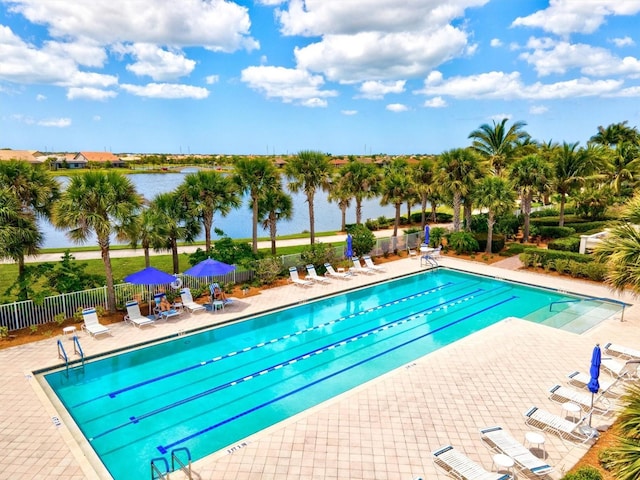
(291, 361)
(165, 448)
(114, 393)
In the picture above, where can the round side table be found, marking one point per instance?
(70, 330)
(503, 462)
(535, 438)
(570, 409)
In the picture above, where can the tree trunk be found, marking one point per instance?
(343, 211)
(23, 294)
(456, 211)
(467, 215)
(490, 223)
(423, 220)
(562, 202)
(147, 259)
(111, 292)
(526, 210)
(396, 224)
(207, 221)
(358, 210)
(254, 230)
(312, 220)
(174, 253)
(272, 232)
(434, 211)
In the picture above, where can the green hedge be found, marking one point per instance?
(569, 244)
(497, 242)
(555, 232)
(545, 254)
(589, 226)
(575, 264)
(555, 220)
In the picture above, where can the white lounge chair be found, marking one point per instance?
(548, 422)
(91, 323)
(458, 465)
(134, 317)
(500, 441)
(293, 274)
(332, 273)
(313, 275)
(369, 264)
(188, 302)
(560, 394)
(218, 297)
(358, 268)
(621, 351)
(624, 371)
(174, 311)
(412, 252)
(581, 380)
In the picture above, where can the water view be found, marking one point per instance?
(238, 223)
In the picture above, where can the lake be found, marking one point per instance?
(238, 223)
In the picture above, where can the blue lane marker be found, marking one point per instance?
(317, 351)
(247, 349)
(164, 448)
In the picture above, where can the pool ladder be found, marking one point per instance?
(158, 474)
(77, 349)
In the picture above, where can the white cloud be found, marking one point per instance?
(538, 109)
(166, 90)
(288, 84)
(270, 2)
(499, 116)
(397, 107)
(550, 57)
(97, 118)
(216, 25)
(55, 122)
(211, 79)
(314, 102)
(564, 17)
(349, 112)
(90, 93)
(435, 102)
(158, 63)
(509, 86)
(495, 42)
(376, 90)
(40, 97)
(623, 42)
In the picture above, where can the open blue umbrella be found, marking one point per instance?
(426, 234)
(594, 385)
(209, 268)
(152, 276)
(349, 251)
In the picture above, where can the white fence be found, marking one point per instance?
(19, 315)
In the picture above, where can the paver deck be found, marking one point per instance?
(385, 429)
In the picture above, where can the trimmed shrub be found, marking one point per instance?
(462, 242)
(555, 232)
(584, 473)
(548, 255)
(444, 217)
(363, 240)
(512, 249)
(568, 244)
(371, 224)
(590, 227)
(497, 242)
(507, 225)
(436, 235)
(555, 220)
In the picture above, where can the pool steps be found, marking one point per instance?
(77, 349)
(158, 474)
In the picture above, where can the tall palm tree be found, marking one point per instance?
(362, 180)
(148, 229)
(530, 175)
(36, 191)
(309, 171)
(497, 143)
(620, 250)
(395, 187)
(274, 206)
(178, 224)
(616, 133)
(623, 166)
(98, 203)
(456, 170)
(340, 194)
(625, 455)
(571, 167)
(497, 195)
(426, 187)
(206, 193)
(257, 176)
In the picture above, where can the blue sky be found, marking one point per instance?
(340, 76)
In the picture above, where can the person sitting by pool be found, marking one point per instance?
(165, 306)
(218, 294)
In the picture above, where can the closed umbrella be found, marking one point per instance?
(349, 251)
(152, 276)
(594, 371)
(209, 268)
(426, 234)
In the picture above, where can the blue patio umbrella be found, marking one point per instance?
(349, 251)
(594, 371)
(150, 276)
(426, 234)
(209, 268)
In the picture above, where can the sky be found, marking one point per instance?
(343, 77)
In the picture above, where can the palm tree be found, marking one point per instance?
(309, 171)
(206, 193)
(257, 176)
(571, 167)
(395, 187)
(340, 194)
(456, 170)
(497, 195)
(274, 206)
(497, 144)
(362, 181)
(426, 187)
(148, 229)
(625, 456)
(98, 203)
(616, 133)
(178, 224)
(623, 165)
(36, 191)
(529, 174)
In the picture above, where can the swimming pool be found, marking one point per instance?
(213, 389)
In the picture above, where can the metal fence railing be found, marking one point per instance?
(24, 314)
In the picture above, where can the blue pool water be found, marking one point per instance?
(210, 390)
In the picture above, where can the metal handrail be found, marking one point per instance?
(183, 467)
(156, 471)
(77, 349)
(63, 355)
(593, 299)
